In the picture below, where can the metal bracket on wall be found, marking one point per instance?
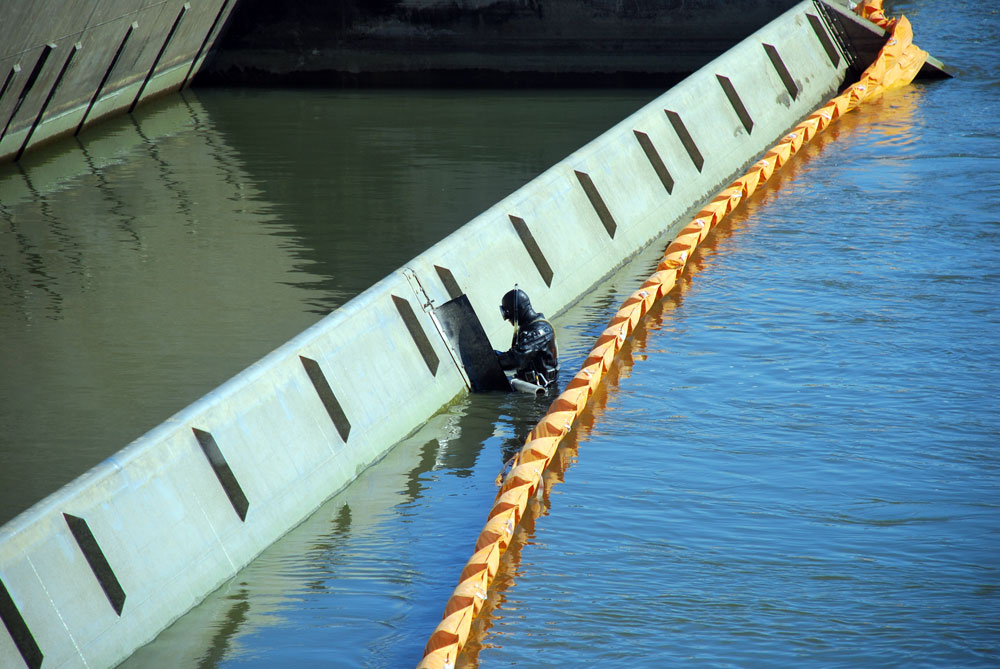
(836, 31)
(428, 306)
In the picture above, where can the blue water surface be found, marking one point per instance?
(795, 461)
(800, 463)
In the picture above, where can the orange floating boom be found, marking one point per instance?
(897, 64)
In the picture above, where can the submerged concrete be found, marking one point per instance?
(99, 568)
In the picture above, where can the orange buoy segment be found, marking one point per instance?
(897, 64)
(872, 10)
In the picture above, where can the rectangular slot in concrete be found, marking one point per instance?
(28, 85)
(417, 333)
(98, 562)
(222, 472)
(783, 73)
(824, 38)
(156, 61)
(736, 102)
(449, 281)
(607, 220)
(48, 99)
(107, 75)
(654, 159)
(686, 139)
(18, 630)
(14, 70)
(531, 246)
(205, 42)
(326, 396)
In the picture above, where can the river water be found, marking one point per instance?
(794, 461)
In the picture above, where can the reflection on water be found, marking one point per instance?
(139, 270)
(165, 252)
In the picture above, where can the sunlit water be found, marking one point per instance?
(794, 462)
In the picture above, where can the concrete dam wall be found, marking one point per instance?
(62, 70)
(100, 567)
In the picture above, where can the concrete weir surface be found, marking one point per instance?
(62, 70)
(100, 567)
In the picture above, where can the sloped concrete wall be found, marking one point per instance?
(63, 66)
(585, 216)
(99, 568)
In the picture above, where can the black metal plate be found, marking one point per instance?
(468, 337)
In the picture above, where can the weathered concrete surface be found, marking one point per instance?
(62, 70)
(485, 42)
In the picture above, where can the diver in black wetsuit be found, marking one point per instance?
(532, 354)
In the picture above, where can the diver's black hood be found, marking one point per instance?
(516, 303)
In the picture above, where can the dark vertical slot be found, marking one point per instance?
(204, 42)
(450, 284)
(654, 159)
(28, 85)
(107, 75)
(783, 73)
(597, 202)
(98, 563)
(156, 61)
(417, 332)
(736, 102)
(10, 78)
(824, 38)
(686, 139)
(18, 630)
(326, 395)
(222, 472)
(531, 246)
(48, 99)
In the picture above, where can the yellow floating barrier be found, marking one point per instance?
(897, 64)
